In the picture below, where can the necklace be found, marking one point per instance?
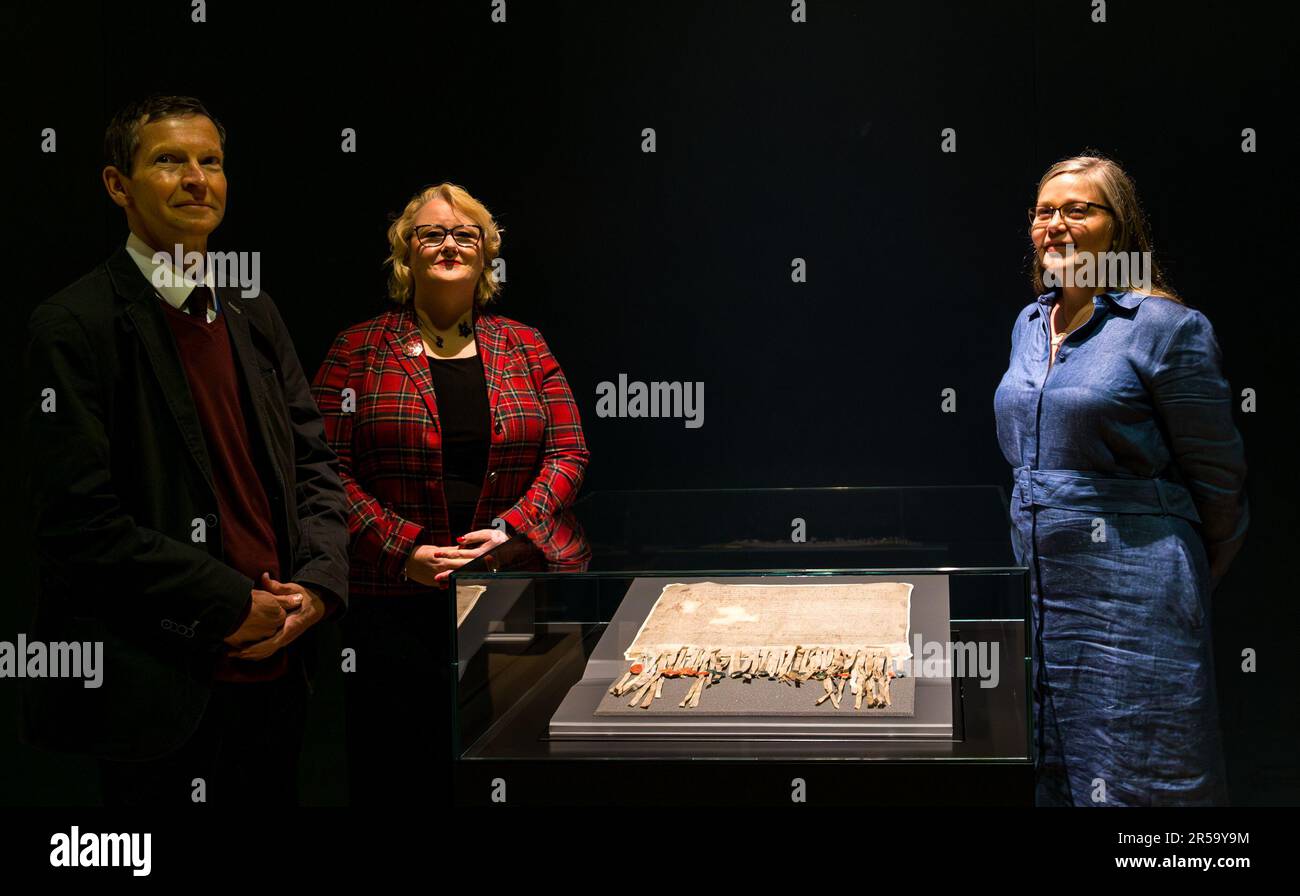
(463, 327)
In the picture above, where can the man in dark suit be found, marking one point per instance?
(188, 510)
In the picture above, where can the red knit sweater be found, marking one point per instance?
(243, 509)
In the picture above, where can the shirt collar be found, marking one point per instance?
(1123, 298)
(175, 289)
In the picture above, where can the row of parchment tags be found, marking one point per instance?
(865, 672)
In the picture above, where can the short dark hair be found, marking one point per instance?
(122, 138)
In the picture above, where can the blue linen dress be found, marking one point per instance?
(1128, 505)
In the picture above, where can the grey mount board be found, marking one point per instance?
(500, 615)
(728, 710)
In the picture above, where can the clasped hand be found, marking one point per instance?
(433, 565)
(281, 612)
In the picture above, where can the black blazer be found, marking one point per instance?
(117, 475)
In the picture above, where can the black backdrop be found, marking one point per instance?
(775, 140)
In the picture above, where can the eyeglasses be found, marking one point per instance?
(466, 236)
(1072, 212)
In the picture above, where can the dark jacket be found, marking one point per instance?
(118, 476)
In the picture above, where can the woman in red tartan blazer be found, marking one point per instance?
(445, 418)
(387, 432)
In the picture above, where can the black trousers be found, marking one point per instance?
(245, 750)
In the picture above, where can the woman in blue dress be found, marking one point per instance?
(1127, 507)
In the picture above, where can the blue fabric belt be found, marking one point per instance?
(1080, 490)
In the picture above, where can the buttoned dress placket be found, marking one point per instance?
(1027, 489)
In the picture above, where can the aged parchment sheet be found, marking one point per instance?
(466, 597)
(839, 634)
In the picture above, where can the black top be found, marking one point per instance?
(463, 414)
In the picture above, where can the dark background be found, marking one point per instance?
(775, 141)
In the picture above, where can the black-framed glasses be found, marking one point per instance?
(466, 236)
(1075, 212)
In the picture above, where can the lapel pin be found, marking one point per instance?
(415, 348)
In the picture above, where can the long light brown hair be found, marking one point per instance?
(1130, 231)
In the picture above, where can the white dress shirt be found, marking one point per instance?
(177, 291)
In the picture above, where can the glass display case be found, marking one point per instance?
(540, 643)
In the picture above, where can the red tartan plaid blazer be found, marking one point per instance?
(388, 441)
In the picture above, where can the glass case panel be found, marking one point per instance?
(540, 642)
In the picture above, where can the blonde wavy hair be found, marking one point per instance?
(1130, 232)
(401, 285)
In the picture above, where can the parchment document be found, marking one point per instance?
(466, 597)
(840, 635)
(847, 617)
